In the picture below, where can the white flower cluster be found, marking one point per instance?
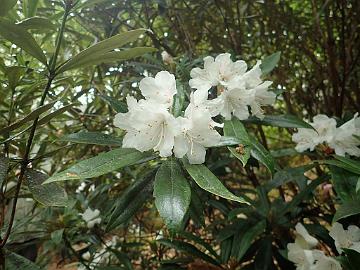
(305, 257)
(341, 139)
(101, 257)
(349, 238)
(150, 125)
(91, 217)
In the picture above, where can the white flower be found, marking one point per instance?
(237, 88)
(307, 138)
(305, 257)
(160, 89)
(197, 132)
(344, 141)
(219, 71)
(149, 125)
(91, 217)
(326, 263)
(349, 238)
(303, 238)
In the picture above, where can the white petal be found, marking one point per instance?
(181, 146)
(197, 153)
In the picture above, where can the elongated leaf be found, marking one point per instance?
(6, 5)
(99, 165)
(243, 154)
(263, 259)
(4, 166)
(349, 164)
(92, 138)
(199, 241)
(172, 194)
(20, 37)
(248, 237)
(259, 152)
(31, 116)
(270, 62)
(14, 74)
(15, 262)
(286, 120)
(302, 195)
(346, 209)
(235, 129)
(37, 23)
(115, 104)
(188, 248)
(228, 141)
(209, 182)
(56, 113)
(344, 183)
(109, 58)
(130, 201)
(50, 195)
(102, 47)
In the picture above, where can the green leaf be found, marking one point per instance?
(37, 23)
(243, 155)
(353, 259)
(179, 100)
(118, 106)
(101, 48)
(301, 196)
(109, 57)
(228, 141)
(346, 209)
(46, 119)
(6, 6)
(14, 74)
(56, 236)
(20, 37)
(199, 241)
(172, 194)
(209, 182)
(270, 62)
(234, 128)
(31, 116)
(349, 164)
(49, 195)
(15, 262)
(92, 138)
(259, 152)
(344, 183)
(4, 166)
(263, 259)
(99, 165)
(285, 120)
(188, 248)
(248, 237)
(130, 201)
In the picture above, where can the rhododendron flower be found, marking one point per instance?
(305, 257)
(219, 71)
(309, 139)
(237, 88)
(149, 125)
(344, 141)
(349, 238)
(91, 217)
(197, 132)
(341, 139)
(160, 89)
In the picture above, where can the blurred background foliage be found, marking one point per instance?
(318, 73)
